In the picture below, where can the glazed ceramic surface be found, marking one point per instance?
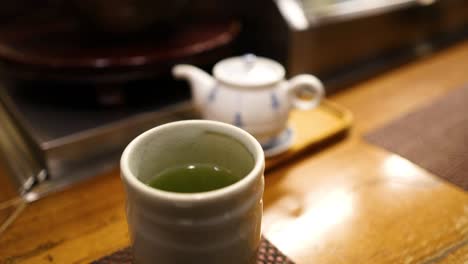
(220, 226)
(252, 93)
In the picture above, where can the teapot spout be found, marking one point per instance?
(200, 81)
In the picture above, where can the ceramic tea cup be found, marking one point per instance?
(217, 226)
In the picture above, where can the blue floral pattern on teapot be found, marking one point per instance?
(250, 92)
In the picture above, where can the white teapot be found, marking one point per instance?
(250, 92)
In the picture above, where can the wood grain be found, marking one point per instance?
(349, 203)
(327, 124)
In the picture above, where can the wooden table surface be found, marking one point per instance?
(349, 203)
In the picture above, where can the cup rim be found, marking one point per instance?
(233, 189)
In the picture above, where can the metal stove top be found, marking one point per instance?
(54, 135)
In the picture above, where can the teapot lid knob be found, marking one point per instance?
(249, 60)
(248, 70)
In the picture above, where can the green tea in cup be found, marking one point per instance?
(193, 178)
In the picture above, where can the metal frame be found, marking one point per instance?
(64, 159)
(303, 14)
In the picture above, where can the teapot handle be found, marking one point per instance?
(309, 84)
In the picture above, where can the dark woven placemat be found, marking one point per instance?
(434, 137)
(267, 254)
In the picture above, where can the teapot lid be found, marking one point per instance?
(248, 70)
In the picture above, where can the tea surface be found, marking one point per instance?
(193, 178)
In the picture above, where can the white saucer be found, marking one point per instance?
(280, 144)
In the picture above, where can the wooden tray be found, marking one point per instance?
(313, 129)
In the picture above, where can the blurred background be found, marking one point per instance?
(80, 78)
